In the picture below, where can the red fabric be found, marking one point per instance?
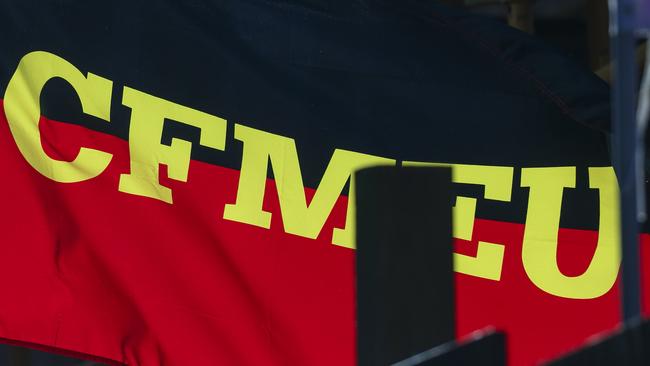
(89, 269)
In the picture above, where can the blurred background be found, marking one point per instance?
(579, 28)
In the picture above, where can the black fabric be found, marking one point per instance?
(410, 80)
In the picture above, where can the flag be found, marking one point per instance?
(176, 175)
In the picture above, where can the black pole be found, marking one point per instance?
(405, 280)
(624, 142)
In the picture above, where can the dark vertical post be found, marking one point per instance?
(624, 142)
(405, 292)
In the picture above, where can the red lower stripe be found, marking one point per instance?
(98, 272)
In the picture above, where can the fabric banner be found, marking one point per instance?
(177, 174)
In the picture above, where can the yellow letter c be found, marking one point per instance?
(23, 111)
